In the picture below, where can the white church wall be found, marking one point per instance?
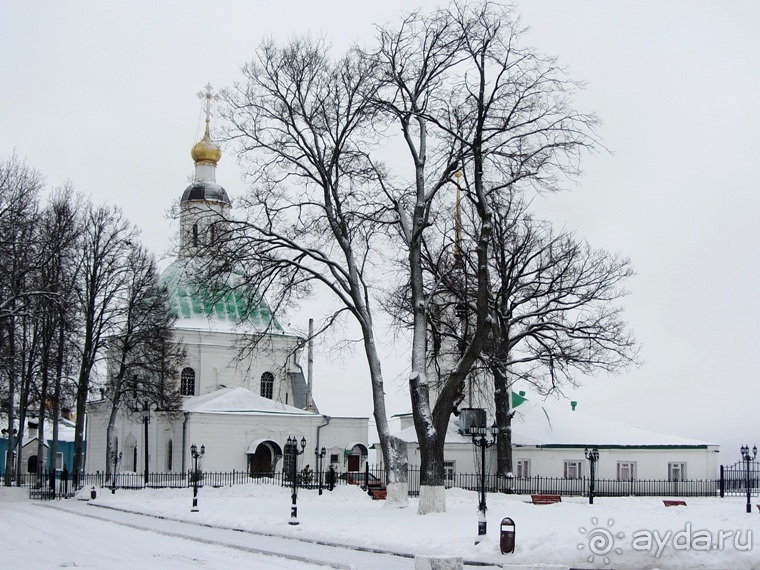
(97, 422)
(214, 358)
(338, 437)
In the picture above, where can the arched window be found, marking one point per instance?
(195, 235)
(31, 465)
(212, 232)
(169, 449)
(267, 385)
(187, 382)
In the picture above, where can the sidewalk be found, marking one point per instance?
(331, 554)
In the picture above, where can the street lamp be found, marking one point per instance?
(145, 409)
(115, 459)
(320, 454)
(593, 456)
(196, 455)
(291, 449)
(748, 459)
(479, 440)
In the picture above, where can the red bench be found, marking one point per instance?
(378, 494)
(545, 499)
(674, 503)
(377, 491)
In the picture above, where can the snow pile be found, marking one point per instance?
(621, 533)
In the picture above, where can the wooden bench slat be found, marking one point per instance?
(674, 503)
(545, 499)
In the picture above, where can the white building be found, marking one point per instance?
(241, 407)
(549, 440)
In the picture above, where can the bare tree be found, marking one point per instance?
(103, 280)
(554, 306)
(20, 186)
(470, 99)
(59, 234)
(467, 99)
(316, 218)
(142, 358)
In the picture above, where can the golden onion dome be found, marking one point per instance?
(205, 150)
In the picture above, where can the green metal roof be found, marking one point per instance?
(194, 301)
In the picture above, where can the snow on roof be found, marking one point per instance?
(196, 306)
(547, 424)
(409, 435)
(66, 431)
(238, 401)
(550, 424)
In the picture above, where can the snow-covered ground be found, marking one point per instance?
(619, 533)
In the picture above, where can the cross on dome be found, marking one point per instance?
(209, 96)
(206, 151)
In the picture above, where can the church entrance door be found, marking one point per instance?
(260, 463)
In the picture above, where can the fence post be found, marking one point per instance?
(722, 483)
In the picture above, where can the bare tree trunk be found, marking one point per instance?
(503, 422)
(10, 457)
(56, 412)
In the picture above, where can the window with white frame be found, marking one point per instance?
(676, 471)
(267, 385)
(523, 467)
(626, 470)
(449, 471)
(59, 461)
(573, 469)
(187, 382)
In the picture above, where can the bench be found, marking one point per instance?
(674, 503)
(758, 508)
(376, 490)
(545, 499)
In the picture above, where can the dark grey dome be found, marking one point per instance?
(208, 191)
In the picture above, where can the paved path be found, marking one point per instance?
(306, 552)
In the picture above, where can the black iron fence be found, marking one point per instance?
(579, 487)
(732, 481)
(735, 478)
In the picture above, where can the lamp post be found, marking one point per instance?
(145, 409)
(593, 456)
(291, 448)
(196, 455)
(320, 454)
(479, 440)
(115, 459)
(748, 458)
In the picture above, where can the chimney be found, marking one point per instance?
(573, 403)
(310, 367)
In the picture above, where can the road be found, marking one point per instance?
(75, 534)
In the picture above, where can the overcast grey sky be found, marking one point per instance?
(104, 94)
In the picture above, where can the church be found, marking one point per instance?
(240, 406)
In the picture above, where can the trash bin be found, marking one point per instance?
(93, 493)
(507, 535)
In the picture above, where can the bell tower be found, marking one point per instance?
(204, 204)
